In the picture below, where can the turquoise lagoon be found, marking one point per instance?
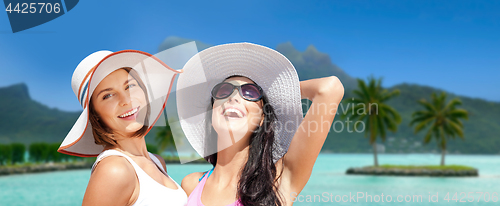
(328, 184)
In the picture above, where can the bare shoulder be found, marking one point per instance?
(115, 167)
(162, 161)
(190, 181)
(113, 180)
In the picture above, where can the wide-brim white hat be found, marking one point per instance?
(269, 69)
(156, 75)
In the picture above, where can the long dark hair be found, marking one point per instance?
(257, 184)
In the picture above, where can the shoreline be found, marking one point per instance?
(53, 166)
(417, 172)
(44, 167)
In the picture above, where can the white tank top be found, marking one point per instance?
(150, 192)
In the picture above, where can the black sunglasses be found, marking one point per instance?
(250, 92)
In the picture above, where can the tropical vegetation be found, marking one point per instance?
(369, 105)
(164, 139)
(441, 120)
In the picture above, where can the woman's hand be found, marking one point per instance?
(326, 94)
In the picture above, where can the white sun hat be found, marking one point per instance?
(269, 69)
(156, 75)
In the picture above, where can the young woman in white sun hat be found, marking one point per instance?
(240, 108)
(122, 95)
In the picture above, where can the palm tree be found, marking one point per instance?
(442, 120)
(369, 106)
(164, 138)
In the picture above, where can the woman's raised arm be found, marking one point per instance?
(326, 94)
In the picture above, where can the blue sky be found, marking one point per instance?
(451, 45)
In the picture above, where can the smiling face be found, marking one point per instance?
(235, 118)
(120, 103)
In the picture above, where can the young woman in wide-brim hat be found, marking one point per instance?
(122, 95)
(239, 106)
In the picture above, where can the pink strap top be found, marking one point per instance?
(194, 198)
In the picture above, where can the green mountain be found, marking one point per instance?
(24, 120)
(480, 131)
